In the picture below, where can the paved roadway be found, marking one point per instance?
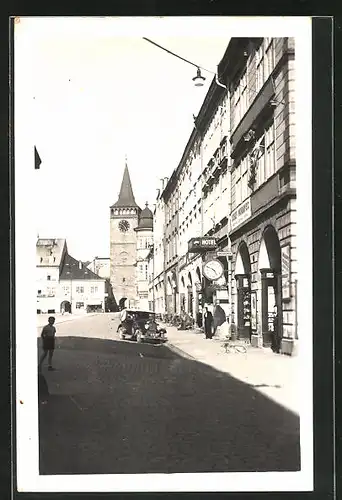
(121, 407)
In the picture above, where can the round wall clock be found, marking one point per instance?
(213, 269)
(124, 226)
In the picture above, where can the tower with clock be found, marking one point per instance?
(124, 219)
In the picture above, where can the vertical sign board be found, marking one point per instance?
(285, 271)
(254, 311)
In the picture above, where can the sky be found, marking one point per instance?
(100, 92)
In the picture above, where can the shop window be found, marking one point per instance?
(79, 305)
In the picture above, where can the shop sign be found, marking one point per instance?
(242, 213)
(224, 253)
(285, 271)
(197, 245)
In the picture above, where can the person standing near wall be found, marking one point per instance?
(208, 323)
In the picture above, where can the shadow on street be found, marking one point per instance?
(123, 407)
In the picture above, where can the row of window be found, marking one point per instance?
(145, 243)
(265, 166)
(143, 271)
(257, 72)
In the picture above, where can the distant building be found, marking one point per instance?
(144, 233)
(81, 290)
(50, 254)
(64, 283)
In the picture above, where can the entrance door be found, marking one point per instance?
(243, 306)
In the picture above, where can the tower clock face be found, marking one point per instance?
(124, 226)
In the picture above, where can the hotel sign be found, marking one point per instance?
(242, 213)
(198, 245)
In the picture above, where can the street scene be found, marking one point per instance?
(166, 251)
(122, 407)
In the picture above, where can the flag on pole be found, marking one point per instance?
(37, 160)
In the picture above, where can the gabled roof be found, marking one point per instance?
(126, 196)
(76, 270)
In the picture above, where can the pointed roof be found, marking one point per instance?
(145, 219)
(126, 196)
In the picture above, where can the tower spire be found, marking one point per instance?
(126, 196)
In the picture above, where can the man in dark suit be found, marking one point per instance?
(208, 323)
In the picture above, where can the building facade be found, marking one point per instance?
(50, 254)
(157, 259)
(63, 283)
(144, 235)
(231, 202)
(81, 290)
(261, 79)
(170, 200)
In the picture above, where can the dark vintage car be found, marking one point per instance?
(141, 326)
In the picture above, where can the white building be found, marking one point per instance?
(157, 294)
(50, 254)
(64, 283)
(81, 290)
(144, 232)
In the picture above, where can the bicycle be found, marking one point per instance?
(230, 346)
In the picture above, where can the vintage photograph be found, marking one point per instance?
(163, 190)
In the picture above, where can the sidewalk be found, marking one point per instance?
(274, 375)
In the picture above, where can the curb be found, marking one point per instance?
(179, 351)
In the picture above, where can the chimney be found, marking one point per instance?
(80, 265)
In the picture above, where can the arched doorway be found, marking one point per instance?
(169, 295)
(65, 306)
(269, 264)
(182, 294)
(190, 295)
(243, 288)
(122, 303)
(174, 292)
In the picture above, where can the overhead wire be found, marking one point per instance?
(201, 67)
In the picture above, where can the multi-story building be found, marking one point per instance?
(81, 290)
(144, 232)
(213, 124)
(64, 283)
(170, 199)
(50, 254)
(157, 293)
(261, 77)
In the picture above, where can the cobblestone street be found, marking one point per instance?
(121, 407)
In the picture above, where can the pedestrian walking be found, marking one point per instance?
(48, 338)
(208, 323)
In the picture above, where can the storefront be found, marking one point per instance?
(263, 288)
